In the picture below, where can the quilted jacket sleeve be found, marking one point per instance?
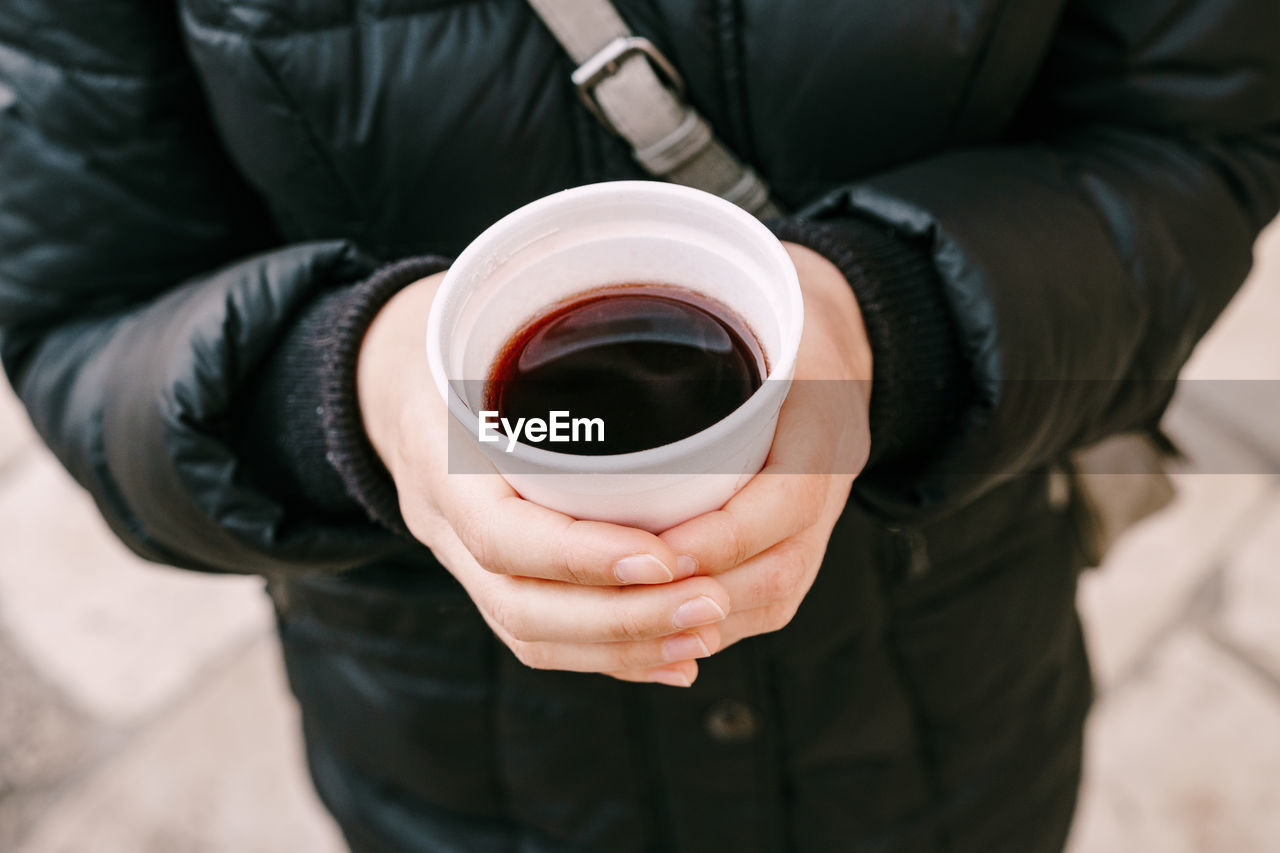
(1083, 261)
(131, 309)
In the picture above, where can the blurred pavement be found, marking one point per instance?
(144, 709)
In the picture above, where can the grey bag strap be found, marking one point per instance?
(617, 78)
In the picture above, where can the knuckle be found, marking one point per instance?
(569, 559)
(727, 533)
(639, 656)
(470, 528)
(510, 618)
(808, 500)
(575, 574)
(628, 626)
(520, 629)
(768, 585)
(738, 547)
(776, 583)
(791, 569)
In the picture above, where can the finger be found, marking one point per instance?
(611, 657)
(532, 610)
(751, 623)
(785, 498)
(783, 572)
(480, 586)
(676, 675)
(768, 510)
(509, 535)
(821, 442)
(768, 590)
(512, 536)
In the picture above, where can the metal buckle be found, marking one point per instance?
(606, 63)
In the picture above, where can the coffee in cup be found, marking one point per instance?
(583, 287)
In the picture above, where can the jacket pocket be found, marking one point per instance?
(950, 556)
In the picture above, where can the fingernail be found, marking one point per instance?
(686, 566)
(671, 677)
(698, 611)
(685, 647)
(642, 568)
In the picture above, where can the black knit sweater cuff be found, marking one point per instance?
(919, 382)
(347, 447)
(304, 431)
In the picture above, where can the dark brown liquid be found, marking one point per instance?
(655, 363)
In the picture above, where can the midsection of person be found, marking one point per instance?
(926, 707)
(413, 127)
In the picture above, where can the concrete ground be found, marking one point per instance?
(144, 709)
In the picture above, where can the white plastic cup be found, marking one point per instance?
(575, 241)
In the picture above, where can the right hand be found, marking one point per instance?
(565, 594)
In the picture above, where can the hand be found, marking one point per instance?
(562, 594)
(766, 545)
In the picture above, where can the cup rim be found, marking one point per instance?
(759, 403)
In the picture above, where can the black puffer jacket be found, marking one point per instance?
(180, 183)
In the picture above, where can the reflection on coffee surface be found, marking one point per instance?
(655, 363)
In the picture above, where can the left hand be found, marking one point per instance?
(766, 545)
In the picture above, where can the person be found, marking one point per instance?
(221, 225)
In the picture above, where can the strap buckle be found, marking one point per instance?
(606, 62)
